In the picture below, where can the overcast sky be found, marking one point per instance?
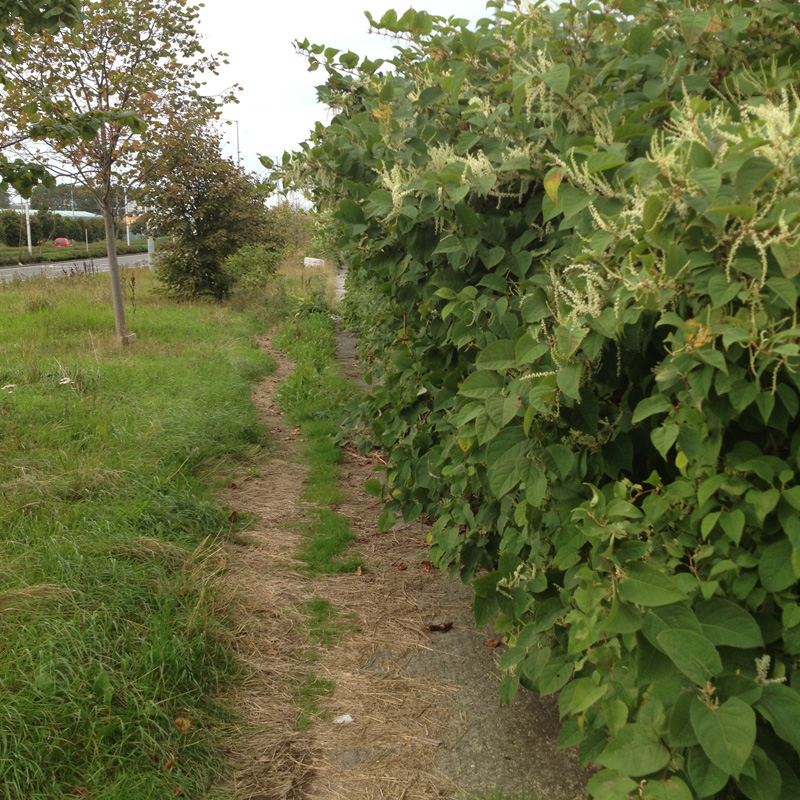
(278, 106)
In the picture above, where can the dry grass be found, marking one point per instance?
(325, 279)
(18, 600)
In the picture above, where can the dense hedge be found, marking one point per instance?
(574, 235)
(45, 227)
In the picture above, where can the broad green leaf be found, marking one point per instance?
(786, 290)
(571, 200)
(554, 676)
(744, 212)
(707, 778)
(788, 258)
(708, 179)
(639, 40)
(616, 715)
(681, 732)
(482, 384)
(664, 437)
(651, 405)
(751, 175)
(692, 654)
(653, 207)
(775, 567)
(732, 523)
(496, 356)
(722, 291)
(569, 379)
(586, 694)
(726, 734)
(648, 586)
(557, 78)
(493, 257)
(515, 164)
(597, 162)
(766, 783)
(373, 487)
(725, 623)
(528, 350)
(671, 789)
(780, 704)
(636, 751)
(431, 95)
(610, 785)
(623, 618)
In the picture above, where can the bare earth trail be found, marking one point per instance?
(425, 716)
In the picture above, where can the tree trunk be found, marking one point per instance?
(113, 268)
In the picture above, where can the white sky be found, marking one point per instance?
(278, 106)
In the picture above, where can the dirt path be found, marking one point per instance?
(423, 701)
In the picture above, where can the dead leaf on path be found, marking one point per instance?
(426, 566)
(493, 642)
(234, 486)
(358, 571)
(440, 627)
(399, 564)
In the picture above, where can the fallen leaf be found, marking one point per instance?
(440, 627)
(234, 486)
(493, 642)
(232, 517)
(169, 764)
(184, 725)
(426, 566)
(177, 790)
(399, 564)
(358, 571)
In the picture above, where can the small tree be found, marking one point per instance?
(126, 62)
(210, 206)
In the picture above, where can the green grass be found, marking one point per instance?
(315, 397)
(326, 538)
(108, 536)
(326, 626)
(307, 693)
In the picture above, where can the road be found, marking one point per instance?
(61, 269)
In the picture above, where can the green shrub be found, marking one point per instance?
(580, 229)
(254, 265)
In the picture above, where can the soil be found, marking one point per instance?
(414, 709)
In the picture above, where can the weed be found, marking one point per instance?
(327, 537)
(307, 694)
(326, 626)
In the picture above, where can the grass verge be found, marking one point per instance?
(314, 397)
(112, 647)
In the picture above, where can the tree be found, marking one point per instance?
(63, 196)
(127, 68)
(209, 205)
(44, 17)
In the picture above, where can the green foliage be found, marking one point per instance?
(254, 265)
(574, 233)
(212, 209)
(108, 617)
(314, 397)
